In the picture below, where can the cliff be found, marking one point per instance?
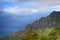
(49, 21)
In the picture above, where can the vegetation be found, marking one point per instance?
(46, 34)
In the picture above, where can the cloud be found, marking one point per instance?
(18, 10)
(31, 7)
(17, 0)
(8, 0)
(27, 10)
(56, 8)
(35, 3)
(43, 3)
(40, 2)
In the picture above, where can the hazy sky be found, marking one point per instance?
(30, 6)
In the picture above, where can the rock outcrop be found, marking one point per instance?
(51, 20)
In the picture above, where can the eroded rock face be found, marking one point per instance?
(50, 21)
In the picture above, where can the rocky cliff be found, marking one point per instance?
(51, 20)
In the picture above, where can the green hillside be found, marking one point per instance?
(46, 34)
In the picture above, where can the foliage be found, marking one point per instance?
(30, 35)
(39, 34)
(58, 38)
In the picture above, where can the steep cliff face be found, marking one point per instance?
(55, 16)
(50, 21)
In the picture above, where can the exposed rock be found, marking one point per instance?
(50, 21)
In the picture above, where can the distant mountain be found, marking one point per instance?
(51, 20)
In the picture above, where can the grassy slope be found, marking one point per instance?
(46, 34)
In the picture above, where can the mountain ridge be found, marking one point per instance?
(51, 20)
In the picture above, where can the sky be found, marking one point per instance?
(29, 6)
(19, 13)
